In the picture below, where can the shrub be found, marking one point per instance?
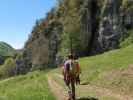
(8, 68)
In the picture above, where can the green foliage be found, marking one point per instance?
(7, 69)
(32, 86)
(127, 5)
(71, 25)
(127, 39)
(101, 2)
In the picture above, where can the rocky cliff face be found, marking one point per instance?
(103, 23)
(106, 26)
(109, 28)
(42, 45)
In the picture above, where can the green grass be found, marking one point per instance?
(92, 67)
(108, 70)
(88, 95)
(32, 86)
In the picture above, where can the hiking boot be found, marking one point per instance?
(73, 97)
(70, 95)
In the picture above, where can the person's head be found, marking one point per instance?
(75, 57)
(70, 56)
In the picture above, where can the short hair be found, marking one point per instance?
(70, 56)
(75, 57)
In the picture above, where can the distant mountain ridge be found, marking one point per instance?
(6, 50)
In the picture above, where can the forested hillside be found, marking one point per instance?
(93, 26)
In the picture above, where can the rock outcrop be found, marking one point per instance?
(109, 28)
(106, 26)
(42, 45)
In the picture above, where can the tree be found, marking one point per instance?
(72, 27)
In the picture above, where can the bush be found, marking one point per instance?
(8, 68)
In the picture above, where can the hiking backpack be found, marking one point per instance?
(70, 67)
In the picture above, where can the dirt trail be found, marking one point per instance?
(58, 91)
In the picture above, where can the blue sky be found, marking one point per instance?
(17, 17)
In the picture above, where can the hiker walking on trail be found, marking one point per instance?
(71, 71)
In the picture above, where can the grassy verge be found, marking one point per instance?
(32, 86)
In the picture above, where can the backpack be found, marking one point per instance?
(70, 67)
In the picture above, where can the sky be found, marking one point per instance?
(17, 18)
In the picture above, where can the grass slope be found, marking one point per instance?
(112, 70)
(92, 67)
(32, 86)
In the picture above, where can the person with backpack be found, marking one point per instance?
(71, 73)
